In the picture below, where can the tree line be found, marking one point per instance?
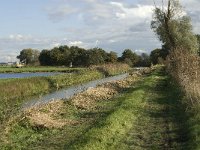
(80, 57)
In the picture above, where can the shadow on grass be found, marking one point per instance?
(103, 111)
(163, 120)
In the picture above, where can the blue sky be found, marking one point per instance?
(110, 24)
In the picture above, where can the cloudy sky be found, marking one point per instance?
(110, 24)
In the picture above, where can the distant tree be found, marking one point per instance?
(30, 56)
(95, 56)
(129, 57)
(157, 55)
(112, 57)
(45, 58)
(56, 57)
(77, 56)
(65, 53)
(144, 60)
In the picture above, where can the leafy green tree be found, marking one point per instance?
(112, 57)
(95, 56)
(174, 28)
(129, 57)
(144, 60)
(30, 56)
(77, 56)
(158, 54)
(45, 58)
(56, 57)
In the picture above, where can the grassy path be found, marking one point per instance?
(149, 116)
(160, 123)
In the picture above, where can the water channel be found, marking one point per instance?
(70, 91)
(26, 75)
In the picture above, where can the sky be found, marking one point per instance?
(113, 25)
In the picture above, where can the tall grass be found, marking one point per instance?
(185, 68)
(112, 69)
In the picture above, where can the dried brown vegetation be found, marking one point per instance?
(86, 100)
(46, 116)
(111, 69)
(185, 68)
(50, 115)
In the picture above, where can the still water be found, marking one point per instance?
(26, 75)
(69, 92)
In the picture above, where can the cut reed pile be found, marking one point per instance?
(50, 115)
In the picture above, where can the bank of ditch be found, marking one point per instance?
(14, 92)
(62, 119)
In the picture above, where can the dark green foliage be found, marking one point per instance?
(144, 60)
(95, 56)
(76, 56)
(129, 57)
(158, 54)
(29, 56)
(45, 58)
(112, 57)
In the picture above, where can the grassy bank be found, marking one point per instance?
(13, 92)
(54, 121)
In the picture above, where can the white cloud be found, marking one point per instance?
(19, 37)
(75, 43)
(139, 11)
(140, 51)
(55, 44)
(113, 25)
